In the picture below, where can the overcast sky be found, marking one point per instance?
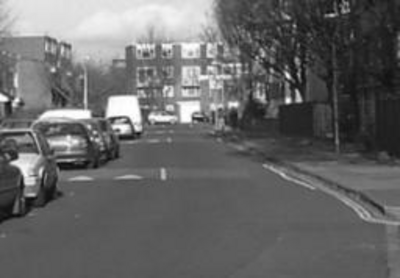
(105, 27)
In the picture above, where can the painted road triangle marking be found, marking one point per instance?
(128, 177)
(81, 178)
(153, 141)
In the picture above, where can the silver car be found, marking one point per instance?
(37, 163)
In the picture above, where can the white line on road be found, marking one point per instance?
(169, 140)
(153, 141)
(163, 174)
(128, 177)
(81, 178)
(286, 177)
(362, 212)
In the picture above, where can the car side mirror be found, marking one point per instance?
(9, 149)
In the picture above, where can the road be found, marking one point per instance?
(178, 203)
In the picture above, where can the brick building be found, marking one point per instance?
(44, 71)
(172, 76)
(8, 75)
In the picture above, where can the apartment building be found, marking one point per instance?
(43, 71)
(172, 76)
(8, 75)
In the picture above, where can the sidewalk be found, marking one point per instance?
(374, 181)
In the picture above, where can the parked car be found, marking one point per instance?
(37, 163)
(16, 123)
(122, 126)
(199, 117)
(111, 138)
(97, 136)
(12, 199)
(71, 113)
(70, 140)
(162, 117)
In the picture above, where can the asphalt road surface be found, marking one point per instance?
(178, 203)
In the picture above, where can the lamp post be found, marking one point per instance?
(85, 87)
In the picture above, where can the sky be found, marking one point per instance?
(103, 28)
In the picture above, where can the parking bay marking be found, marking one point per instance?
(128, 177)
(81, 178)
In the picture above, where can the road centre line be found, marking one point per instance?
(163, 174)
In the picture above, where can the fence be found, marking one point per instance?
(388, 126)
(305, 120)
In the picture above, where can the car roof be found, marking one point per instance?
(17, 130)
(57, 120)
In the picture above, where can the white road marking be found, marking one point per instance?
(129, 142)
(128, 177)
(163, 174)
(169, 140)
(363, 213)
(153, 141)
(171, 132)
(286, 177)
(81, 178)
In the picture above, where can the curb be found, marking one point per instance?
(358, 196)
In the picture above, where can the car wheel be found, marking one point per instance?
(41, 199)
(19, 208)
(53, 191)
(94, 163)
(116, 154)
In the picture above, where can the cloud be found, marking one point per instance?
(122, 28)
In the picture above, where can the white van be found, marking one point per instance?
(126, 105)
(70, 113)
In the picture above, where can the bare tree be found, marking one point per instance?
(265, 32)
(6, 19)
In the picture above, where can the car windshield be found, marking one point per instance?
(119, 120)
(59, 129)
(24, 140)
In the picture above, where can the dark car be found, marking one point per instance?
(71, 141)
(199, 117)
(111, 138)
(12, 199)
(97, 136)
(122, 126)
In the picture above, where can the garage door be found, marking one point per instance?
(186, 109)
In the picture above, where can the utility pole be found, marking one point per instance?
(335, 98)
(85, 87)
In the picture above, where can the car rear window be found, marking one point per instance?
(24, 141)
(57, 129)
(122, 120)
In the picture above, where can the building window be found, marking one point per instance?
(190, 51)
(144, 76)
(191, 76)
(338, 7)
(168, 91)
(190, 92)
(212, 50)
(168, 72)
(170, 107)
(167, 51)
(141, 93)
(145, 51)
